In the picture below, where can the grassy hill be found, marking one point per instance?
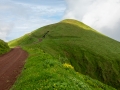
(44, 72)
(3, 47)
(74, 43)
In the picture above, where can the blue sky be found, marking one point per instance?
(18, 17)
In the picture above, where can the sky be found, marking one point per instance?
(18, 17)
(102, 15)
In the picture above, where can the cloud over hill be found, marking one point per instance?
(103, 15)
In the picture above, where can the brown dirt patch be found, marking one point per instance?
(11, 65)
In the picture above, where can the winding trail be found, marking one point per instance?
(11, 65)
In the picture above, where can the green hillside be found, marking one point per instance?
(88, 51)
(4, 48)
(44, 72)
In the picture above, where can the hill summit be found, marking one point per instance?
(88, 51)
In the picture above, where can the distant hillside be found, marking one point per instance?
(3, 47)
(87, 50)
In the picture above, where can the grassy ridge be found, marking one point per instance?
(4, 48)
(44, 72)
(88, 51)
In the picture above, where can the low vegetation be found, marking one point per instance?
(4, 48)
(44, 72)
(86, 50)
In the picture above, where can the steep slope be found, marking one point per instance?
(88, 51)
(3, 47)
(43, 72)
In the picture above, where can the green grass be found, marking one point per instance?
(4, 48)
(43, 72)
(88, 51)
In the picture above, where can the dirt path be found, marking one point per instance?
(11, 65)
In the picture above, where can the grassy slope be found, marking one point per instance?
(43, 72)
(88, 51)
(4, 48)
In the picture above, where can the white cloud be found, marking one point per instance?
(103, 15)
(26, 17)
(5, 29)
